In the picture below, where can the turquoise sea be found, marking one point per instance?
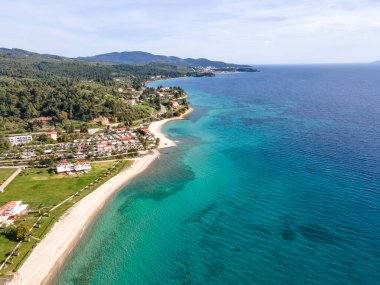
(275, 180)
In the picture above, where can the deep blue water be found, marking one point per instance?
(275, 180)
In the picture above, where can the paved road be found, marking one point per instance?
(10, 178)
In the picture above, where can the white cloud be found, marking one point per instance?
(237, 31)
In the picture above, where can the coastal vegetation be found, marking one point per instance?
(67, 90)
(21, 232)
(54, 109)
(44, 191)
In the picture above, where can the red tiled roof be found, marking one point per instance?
(125, 138)
(43, 119)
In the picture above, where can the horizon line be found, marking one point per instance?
(252, 64)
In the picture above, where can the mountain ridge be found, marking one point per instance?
(141, 57)
(126, 57)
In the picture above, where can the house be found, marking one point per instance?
(109, 147)
(130, 89)
(52, 135)
(120, 130)
(132, 101)
(101, 146)
(28, 154)
(126, 138)
(174, 103)
(144, 132)
(15, 140)
(44, 119)
(11, 211)
(105, 147)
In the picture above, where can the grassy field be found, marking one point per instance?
(146, 108)
(42, 188)
(5, 173)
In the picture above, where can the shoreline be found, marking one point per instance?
(156, 129)
(47, 258)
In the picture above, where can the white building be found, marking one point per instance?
(132, 101)
(82, 166)
(64, 167)
(52, 135)
(73, 167)
(28, 154)
(14, 140)
(11, 210)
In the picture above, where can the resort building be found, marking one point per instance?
(44, 119)
(64, 167)
(82, 166)
(69, 167)
(52, 135)
(15, 140)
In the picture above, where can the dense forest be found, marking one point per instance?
(34, 85)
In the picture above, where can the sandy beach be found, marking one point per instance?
(156, 127)
(48, 256)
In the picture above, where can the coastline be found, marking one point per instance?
(156, 129)
(46, 259)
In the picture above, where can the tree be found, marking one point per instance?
(4, 143)
(69, 129)
(63, 116)
(22, 231)
(43, 138)
(31, 163)
(48, 161)
(84, 128)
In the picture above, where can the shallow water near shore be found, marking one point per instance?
(275, 180)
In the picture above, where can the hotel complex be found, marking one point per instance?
(69, 167)
(15, 140)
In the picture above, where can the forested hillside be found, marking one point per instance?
(34, 85)
(139, 57)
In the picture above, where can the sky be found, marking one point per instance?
(238, 31)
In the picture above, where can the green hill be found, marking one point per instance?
(34, 85)
(139, 57)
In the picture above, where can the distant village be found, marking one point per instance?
(106, 143)
(102, 140)
(72, 153)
